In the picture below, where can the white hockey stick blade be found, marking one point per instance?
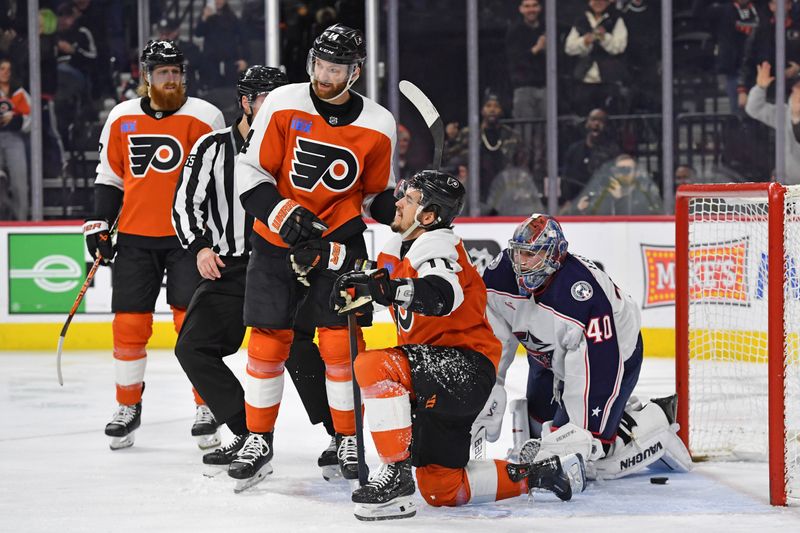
(420, 101)
(58, 360)
(429, 114)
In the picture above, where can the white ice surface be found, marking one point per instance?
(57, 473)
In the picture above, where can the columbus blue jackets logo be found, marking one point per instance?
(162, 153)
(581, 291)
(317, 162)
(539, 350)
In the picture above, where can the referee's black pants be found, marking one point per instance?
(214, 328)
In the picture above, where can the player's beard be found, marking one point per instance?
(328, 92)
(168, 100)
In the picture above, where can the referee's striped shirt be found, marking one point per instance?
(207, 212)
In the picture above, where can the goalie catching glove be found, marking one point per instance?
(355, 291)
(316, 254)
(98, 240)
(294, 223)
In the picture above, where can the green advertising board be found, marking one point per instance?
(45, 272)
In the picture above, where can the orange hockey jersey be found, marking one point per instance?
(333, 171)
(143, 156)
(17, 102)
(441, 253)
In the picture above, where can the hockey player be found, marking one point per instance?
(318, 155)
(581, 334)
(442, 369)
(143, 146)
(211, 223)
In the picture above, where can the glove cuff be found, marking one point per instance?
(403, 291)
(280, 213)
(90, 227)
(337, 255)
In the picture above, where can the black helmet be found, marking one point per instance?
(442, 193)
(161, 52)
(340, 44)
(259, 79)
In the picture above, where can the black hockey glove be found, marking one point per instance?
(350, 294)
(294, 223)
(98, 240)
(356, 289)
(316, 254)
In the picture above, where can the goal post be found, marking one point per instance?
(737, 329)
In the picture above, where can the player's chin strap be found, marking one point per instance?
(418, 224)
(350, 82)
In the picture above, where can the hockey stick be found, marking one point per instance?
(78, 300)
(352, 330)
(432, 119)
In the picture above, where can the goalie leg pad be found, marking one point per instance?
(520, 427)
(651, 439)
(566, 440)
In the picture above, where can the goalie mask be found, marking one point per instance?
(340, 51)
(537, 250)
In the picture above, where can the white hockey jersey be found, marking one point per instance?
(581, 326)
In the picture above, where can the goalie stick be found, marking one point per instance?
(78, 300)
(432, 119)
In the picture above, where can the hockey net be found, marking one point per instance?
(738, 336)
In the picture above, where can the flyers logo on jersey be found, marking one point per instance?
(162, 153)
(314, 162)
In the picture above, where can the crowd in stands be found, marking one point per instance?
(609, 88)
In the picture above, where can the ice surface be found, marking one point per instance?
(57, 473)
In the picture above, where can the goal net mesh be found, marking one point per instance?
(728, 323)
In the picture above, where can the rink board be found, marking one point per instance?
(42, 268)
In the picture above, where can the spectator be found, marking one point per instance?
(224, 47)
(684, 175)
(643, 21)
(169, 29)
(513, 190)
(619, 188)
(77, 52)
(94, 16)
(498, 143)
(15, 109)
(525, 46)
(758, 108)
(584, 157)
(598, 39)
(733, 21)
(404, 170)
(760, 47)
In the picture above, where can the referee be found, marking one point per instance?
(210, 222)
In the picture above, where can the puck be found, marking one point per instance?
(659, 480)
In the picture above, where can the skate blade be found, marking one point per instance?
(402, 507)
(120, 443)
(205, 442)
(244, 484)
(332, 473)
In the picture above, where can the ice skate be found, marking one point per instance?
(205, 427)
(388, 495)
(347, 455)
(218, 461)
(563, 477)
(123, 425)
(252, 463)
(329, 462)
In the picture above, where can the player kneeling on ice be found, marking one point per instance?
(441, 371)
(581, 334)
